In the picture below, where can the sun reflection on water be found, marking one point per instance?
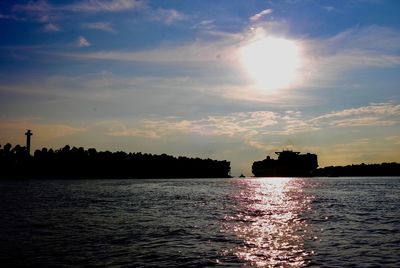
(268, 221)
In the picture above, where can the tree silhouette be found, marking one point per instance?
(76, 162)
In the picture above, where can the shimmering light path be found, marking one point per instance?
(269, 222)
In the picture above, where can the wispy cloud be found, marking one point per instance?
(118, 129)
(245, 126)
(104, 5)
(167, 16)
(48, 13)
(205, 25)
(328, 8)
(189, 53)
(96, 6)
(11, 17)
(51, 27)
(378, 109)
(375, 114)
(329, 61)
(261, 14)
(227, 125)
(100, 86)
(294, 122)
(34, 6)
(365, 121)
(102, 26)
(251, 126)
(394, 139)
(81, 6)
(39, 11)
(82, 42)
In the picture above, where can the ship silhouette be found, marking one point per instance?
(288, 164)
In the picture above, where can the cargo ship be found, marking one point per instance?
(288, 164)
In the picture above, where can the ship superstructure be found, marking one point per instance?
(288, 164)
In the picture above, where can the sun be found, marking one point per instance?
(272, 62)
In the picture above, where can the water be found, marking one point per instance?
(264, 222)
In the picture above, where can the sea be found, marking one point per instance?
(238, 222)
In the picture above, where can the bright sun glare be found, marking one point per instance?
(272, 62)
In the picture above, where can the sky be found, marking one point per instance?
(227, 79)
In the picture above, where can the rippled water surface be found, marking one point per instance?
(263, 222)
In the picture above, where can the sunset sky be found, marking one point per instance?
(227, 79)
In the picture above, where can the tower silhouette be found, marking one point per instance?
(28, 135)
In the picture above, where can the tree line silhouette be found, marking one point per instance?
(361, 170)
(76, 162)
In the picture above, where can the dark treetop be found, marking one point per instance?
(384, 169)
(75, 162)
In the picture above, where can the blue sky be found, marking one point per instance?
(204, 78)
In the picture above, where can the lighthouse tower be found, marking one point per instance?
(28, 135)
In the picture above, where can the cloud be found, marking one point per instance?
(82, 42)
(328, 61)
(11, 17)
(167, 16)
(375, 114)
(34, 6)
(261, 14)
(51, 27)
(205, 25)
(252, 141)
(39, 11)
(200, 52)
(42, 8)
(297, 125)
(45, 12)
(118, 129)
(328, 8)
(365, 121)
(90, 6)
(251, 125)
(378, 109)
(102, 26)
(355, 59)
(104, 5)
(93, 86)
(243, 125)
(226, 125)
(394, 139)
(371, 39)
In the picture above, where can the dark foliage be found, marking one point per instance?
(75, 162)
(384, 169)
